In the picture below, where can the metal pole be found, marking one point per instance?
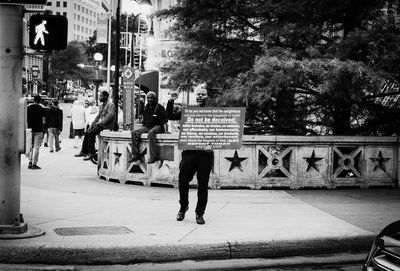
(12, 112)
(116, 75)
(126, 30)
(10, 93)
(96, 93)
(109, 51)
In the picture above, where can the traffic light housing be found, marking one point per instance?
(136, 60)
(48, 32)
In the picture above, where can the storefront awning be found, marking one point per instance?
(148, 81)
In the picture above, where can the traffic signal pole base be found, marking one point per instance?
(19, 231)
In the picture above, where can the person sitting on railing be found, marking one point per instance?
(104, 120)
(154, 118)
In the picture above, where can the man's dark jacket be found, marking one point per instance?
(55, 118)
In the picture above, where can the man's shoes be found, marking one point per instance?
(46, 145)
(36, 167)
(151, 160)
(181, 214)
(200, 219)
(51, 151)
(59, 149)
(88, 157)
(81, 154)
(134, 158)
(30, 165)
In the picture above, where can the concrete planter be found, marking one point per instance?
(263, 162)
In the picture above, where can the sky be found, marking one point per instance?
(129, 6)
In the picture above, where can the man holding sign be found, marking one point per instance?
(193, 161)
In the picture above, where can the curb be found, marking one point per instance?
(173, 253)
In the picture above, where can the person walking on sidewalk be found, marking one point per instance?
(154, 118)
(104, 120)
(193, 161)
(55, 125)
(46, 107)
(78, 119)
(36, 122)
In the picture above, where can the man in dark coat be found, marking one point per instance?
(55, 125)
(193, 161)
(154, 118)
(36, 122)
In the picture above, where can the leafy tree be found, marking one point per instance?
(296, 65)
(63, 64)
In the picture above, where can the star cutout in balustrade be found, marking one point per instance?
(312, 161)
(379, 161)
(117, 155)
(235, 161)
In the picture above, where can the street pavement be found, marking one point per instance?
(137, 224)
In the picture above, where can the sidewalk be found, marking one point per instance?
(66, 193)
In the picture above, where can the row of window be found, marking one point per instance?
(80, 38)
(58, 4)
(76, 6)
(82, 28)
(84, 10)
(84, 20)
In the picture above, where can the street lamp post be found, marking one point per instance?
(98, 58)
(117, 55)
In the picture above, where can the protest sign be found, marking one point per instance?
(207, 128)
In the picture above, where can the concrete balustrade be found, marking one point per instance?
(263, 162)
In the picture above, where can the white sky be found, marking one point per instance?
(129, 6)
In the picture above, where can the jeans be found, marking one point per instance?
(37, 138)
(154, 150)
(54, 138)
(192, 162)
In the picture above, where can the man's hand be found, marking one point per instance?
(173, 95)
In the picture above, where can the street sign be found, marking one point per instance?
(128, 77)
(48, 32)
(209, 128)
(38, 2)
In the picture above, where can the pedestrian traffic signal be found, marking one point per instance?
(48, 32)
(38, 2)
(136, 60)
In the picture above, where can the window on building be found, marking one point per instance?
(58, 4)
(86, 20)
(74, 16)
(74, 26)
(58, 13)
(65, 14)
(65, 4)
(79, 17)
(79, 8)
(49, 3)
(78, 27)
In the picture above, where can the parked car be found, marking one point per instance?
(70, 97)
(385, 251)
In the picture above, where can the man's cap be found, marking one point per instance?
(151, 94)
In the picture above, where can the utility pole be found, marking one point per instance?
(12, 122)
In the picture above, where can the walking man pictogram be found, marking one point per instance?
(40, 30)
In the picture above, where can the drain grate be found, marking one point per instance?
(98, 230)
